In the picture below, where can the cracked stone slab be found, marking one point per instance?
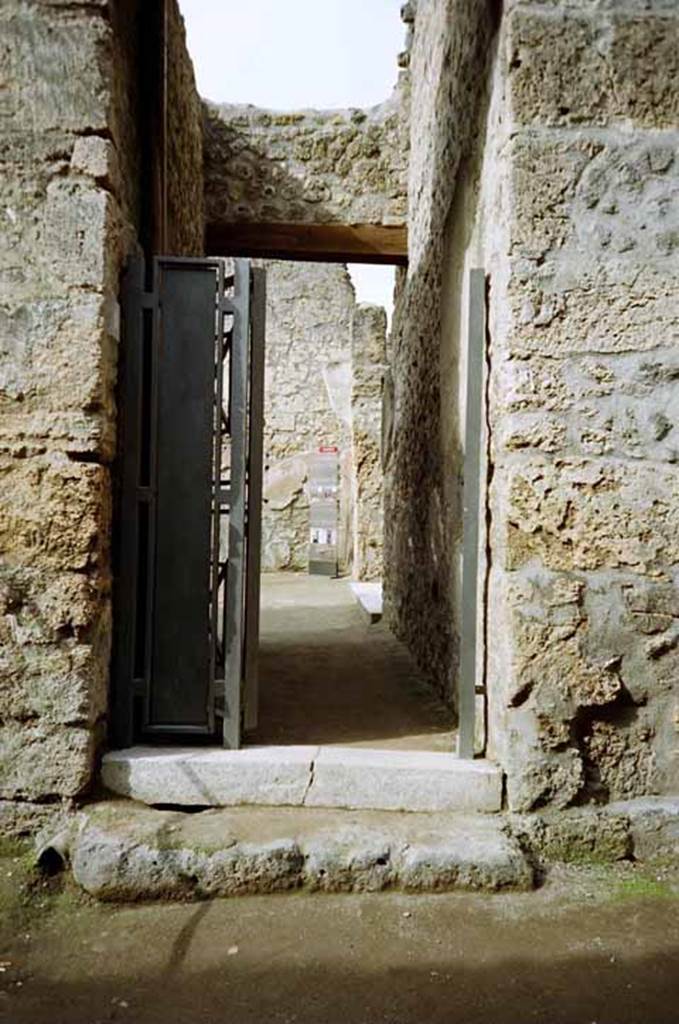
(210, 777)
(124, 851)
(277, 776)
(403, 780)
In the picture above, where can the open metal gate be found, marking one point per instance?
(187, 594)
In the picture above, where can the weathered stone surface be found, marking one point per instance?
(422, 503)
(210, 778)
(400, 780)
(565, 67)
(653, 825)
(620, 406)
(19, 819)
(55, 513)
(125, 852)
(185, 194)
(340, 166)
(592, 515)
(304, 775)
(369, 363)
(39, 761)
(48, 85)
(307, 400)
(587, 835)
(70, 187)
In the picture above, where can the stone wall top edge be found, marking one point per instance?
(282, 117)
(557, 8)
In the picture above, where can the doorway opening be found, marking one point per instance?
(328, 674)
(307, 386)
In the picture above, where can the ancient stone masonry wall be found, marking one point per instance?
(368, 367)
(584, 605)
(422, 447)
(308, 166)
(64, 227)
(69, 207)
(186, 221)
(310, 307)
(325, 360)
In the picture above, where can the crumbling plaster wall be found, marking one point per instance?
(70, 183)
(308, 166)
(568, 198)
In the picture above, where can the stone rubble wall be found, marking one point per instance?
(324, 366)
(307, 166)
(307, 401)
(369, 365)
(567, 194)
(185, 192)
(422, 457)
(70, 206)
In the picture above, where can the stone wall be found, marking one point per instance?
(584, 699)
(185, 192)
(324, 365)
(307, 400)
(368, 368)
(308, 166)
(566, 193)
(70, 179)
(423, 448)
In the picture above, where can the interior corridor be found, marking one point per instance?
(328, 677)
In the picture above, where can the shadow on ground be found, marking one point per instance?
(577, 952)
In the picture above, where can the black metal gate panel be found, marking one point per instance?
(187, 608)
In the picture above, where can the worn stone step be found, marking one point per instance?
(347, 777)
(123, 850)
(369, 600)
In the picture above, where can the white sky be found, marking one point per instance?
(288, 54)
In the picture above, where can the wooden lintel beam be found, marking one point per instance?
(320, 243)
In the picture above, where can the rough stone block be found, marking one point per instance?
(122, 851)
(590, 515)
(586, 835)
(653, 825)
(39, 761)
(57, 373)
(566, 68)
(55, 513)
(48, 83)
(54, 647)
(619, 406)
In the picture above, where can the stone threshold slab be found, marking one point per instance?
(333, 777)
(121, 850)
(369, 599)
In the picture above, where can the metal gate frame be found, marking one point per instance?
(220, 335)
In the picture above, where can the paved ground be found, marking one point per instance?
(593, 945)
(327, 677)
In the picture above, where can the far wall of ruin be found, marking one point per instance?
(325, 360)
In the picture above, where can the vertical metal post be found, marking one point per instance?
(254, 505)
(476, 342)
(129, 440)
(234, 637)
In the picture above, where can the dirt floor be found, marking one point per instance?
(593, 945)
(327, 677)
